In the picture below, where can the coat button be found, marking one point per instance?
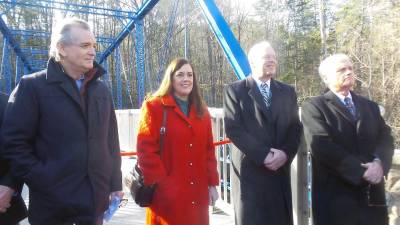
(190, 145)
(190, 164)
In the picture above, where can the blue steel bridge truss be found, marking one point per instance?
(20, 56)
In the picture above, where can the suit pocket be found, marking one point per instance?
(40, 178)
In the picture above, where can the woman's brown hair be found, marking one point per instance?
(166, 85)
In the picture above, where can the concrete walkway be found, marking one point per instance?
(132, 214)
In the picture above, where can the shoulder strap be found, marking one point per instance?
(163, 129)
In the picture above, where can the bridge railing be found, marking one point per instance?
(128, 121)
(301, 190)
(222, 152)
(128, 125)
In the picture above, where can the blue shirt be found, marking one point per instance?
(79, 82)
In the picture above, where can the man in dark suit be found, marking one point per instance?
(351, 148)
(261, 119)
(60, 133)
(12, 206)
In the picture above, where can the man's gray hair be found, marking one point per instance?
(256, 49)
(328, 65)
(62, 34)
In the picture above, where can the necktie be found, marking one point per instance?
(350, 106)
(266, 94)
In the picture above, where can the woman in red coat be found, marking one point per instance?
(186, 172)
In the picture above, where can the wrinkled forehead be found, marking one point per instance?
(341, 63)
(82, 35)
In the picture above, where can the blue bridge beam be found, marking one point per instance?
(139, 15)
(140, 64)
(45, 34)
(236, 57)
(14, 44)
(70, 7)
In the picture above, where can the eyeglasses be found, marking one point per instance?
(374, 202)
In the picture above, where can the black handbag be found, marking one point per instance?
(143, 194)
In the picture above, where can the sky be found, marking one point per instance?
(247, 3)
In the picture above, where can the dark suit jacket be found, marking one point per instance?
(63, 145)
(17, 211)
(261, 195)
(339, 144)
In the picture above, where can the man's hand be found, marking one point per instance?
(269, 158)
(213, 195)
(6, 194)
(277, 160)
(120, 194)
(374, 172)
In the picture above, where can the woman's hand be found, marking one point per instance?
(213, 195)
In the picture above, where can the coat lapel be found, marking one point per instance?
(335, 103)
(255, 94)
(360, 113)
(169, 101)
(55, 74)
(277, 99)
(67, 87)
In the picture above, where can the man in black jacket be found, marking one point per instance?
(12, 206)
(60, 133)
(261, 119)
(351, 148)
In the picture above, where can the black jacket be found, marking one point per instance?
(17, 211)
(260, 195)
(63, 144)
(339, 144)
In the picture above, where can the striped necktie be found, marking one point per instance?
(266, 93)
(350, 106)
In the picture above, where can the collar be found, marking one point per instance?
(341, 97)
(180, 101)
(168, 100)
(259, 82)
(55, 72)
(273, 84)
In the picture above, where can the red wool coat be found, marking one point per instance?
(187, 165)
